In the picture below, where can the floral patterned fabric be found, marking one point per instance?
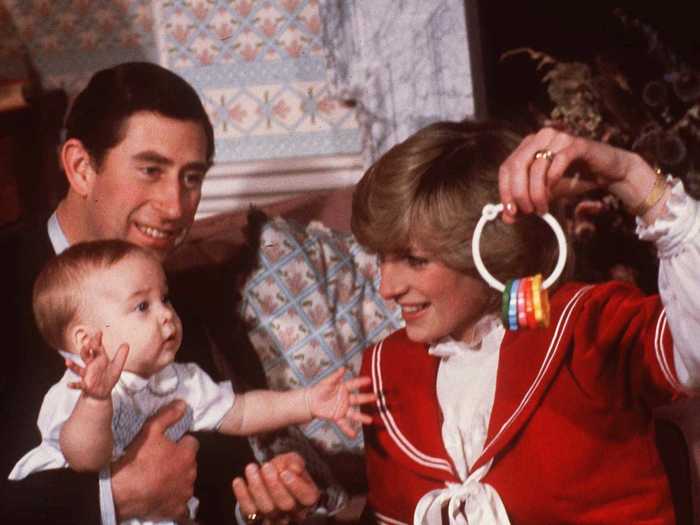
(312, 306)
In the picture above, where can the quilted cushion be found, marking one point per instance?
(312, 306)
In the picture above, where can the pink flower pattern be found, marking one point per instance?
(281, 110)
(318, 314)
(244, 8)
(180, 33)
(205, 57)
(294, 49)
(269, 28)
(313, 24)
(290, 5)
(224, 31)
(268, 304)
(295, 282)
(313, 335)
(237, 113)
(326, 105)
(200, 10)
(249, 52)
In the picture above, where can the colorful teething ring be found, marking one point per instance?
(525, 303)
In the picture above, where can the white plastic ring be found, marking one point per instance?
(489, 213)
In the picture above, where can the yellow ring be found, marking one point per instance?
(252, 518)
(544, 154)
(537, 299)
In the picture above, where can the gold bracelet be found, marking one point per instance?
(653, 197)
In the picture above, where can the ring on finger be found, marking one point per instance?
(253, 518)
(545, 154)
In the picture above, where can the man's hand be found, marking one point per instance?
(279, 491)
(155, 477)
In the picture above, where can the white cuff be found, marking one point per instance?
(671, 230)
(107, 510)
(239, 518)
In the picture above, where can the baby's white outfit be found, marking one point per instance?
(134, 400)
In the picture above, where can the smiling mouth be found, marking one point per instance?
(159, 234)
(413, 308)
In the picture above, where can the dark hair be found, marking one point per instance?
(430, 190)
(99, 112)
(58, 290)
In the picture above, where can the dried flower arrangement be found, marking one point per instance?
(657, 117)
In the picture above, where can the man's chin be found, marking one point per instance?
(161, 248)
(160, 253)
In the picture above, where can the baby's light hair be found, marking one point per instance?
(59, 289)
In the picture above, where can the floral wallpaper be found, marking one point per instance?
(67, 40)
(258, 64)
(261, 70)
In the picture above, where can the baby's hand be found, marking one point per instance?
(332, 399)
(100, 374)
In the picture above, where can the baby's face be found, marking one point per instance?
(129, 304)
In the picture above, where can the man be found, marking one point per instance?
(137, 148)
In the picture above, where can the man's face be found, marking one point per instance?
(148, 187)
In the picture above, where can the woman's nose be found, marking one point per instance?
(392, 283)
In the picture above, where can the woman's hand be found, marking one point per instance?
(548, 163)
(279, 492)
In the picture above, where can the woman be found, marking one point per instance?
(546, 425)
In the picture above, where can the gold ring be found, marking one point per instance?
(544, 154)
(252, 518)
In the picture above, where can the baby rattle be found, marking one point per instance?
(525, 301)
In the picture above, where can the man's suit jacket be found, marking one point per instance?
(29, 367)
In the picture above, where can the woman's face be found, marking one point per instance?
(435, 300)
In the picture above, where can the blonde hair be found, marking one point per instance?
(429, 191)
(59, 290)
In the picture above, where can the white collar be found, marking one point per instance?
(161, 383)
(447, 346)
(58, 238)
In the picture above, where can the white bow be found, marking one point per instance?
(470, 502)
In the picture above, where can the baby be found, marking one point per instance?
(104, 305)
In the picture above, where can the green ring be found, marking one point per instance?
(505, 303)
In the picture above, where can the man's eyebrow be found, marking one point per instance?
(157, 158)
(152, 156)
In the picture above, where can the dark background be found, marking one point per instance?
(641, 43)
(575, 31)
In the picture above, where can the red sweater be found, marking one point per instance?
(571, 431)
